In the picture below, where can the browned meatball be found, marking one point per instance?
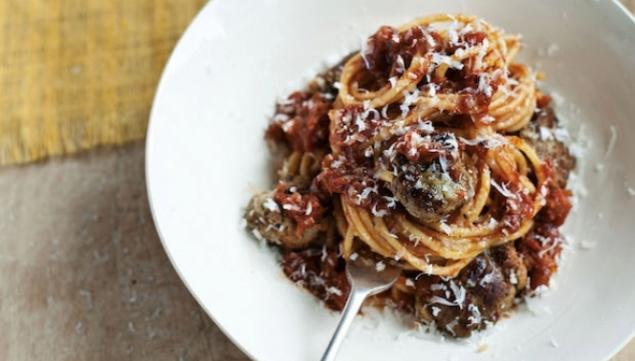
(267, 220)
(482, 293)
(541, 133)
(433, 185)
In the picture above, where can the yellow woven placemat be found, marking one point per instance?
(75, 74)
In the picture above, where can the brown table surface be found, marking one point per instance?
(83, 275)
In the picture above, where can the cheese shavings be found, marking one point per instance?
(380, 266)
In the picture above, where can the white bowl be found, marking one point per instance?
(205, 155)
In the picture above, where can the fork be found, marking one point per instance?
(367, 278)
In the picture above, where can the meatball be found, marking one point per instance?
(483, 292)
(433, 178)
(540, 132)
(267, 220)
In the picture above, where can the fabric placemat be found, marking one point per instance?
(75, 74)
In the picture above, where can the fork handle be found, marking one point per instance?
(353, 304)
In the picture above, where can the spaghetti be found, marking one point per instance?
(412, 151)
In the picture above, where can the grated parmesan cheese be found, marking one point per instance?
(271, 205)
(393, 81)
(399, 254)
(408, 100)
(454, 36)
(368, 152)
(258, 236)
(450, 326)
(428, 37)
(290, 207)
(380, 266)
(401, 65)
(475, 317)
(488, 278)
(545, 133)
(502, 189)
(392, 201)
(481, 54)
(441, 301)
(439, 59)
(513, 279)
(364, 50)
(334, 290)
(445, 228)
(384, 111)
(491, 142)
(378, 213)
(361, 126)
(459, 294)
(437, 287)
(428, 269)
(483, 84)
(426, 126)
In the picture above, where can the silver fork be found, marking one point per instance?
(366, 280)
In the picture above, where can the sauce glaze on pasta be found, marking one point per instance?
(429, 149)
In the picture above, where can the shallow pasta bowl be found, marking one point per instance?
(206, 156)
